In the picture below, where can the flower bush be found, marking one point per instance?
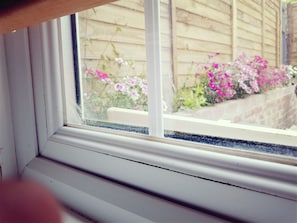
(113, 82)
(237, 79)
(131, 92)
(114, 91)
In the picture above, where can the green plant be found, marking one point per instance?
(244, 76)
(291, 71)
(113, 82)
(290, 1)
(190, 98)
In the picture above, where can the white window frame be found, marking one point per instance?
(223, 184)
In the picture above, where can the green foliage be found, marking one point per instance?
(190, 98)
(290, 1)
(239, 78)
(113, 82)
(292, 74)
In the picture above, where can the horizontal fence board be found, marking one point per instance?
(254, 5)
(139, 67)
(111, 13)
(250, 28)
(248, 10)
(248, 35)
(250, 44)
(189, 56)
(202, 47)
(135, 4)
(108, 32)
(132, 51)
(204, 22)
(201, 34)
(247, 51)
(202, 10)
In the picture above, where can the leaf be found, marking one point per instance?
(103, 67)
(199, 90)
(118, 29)
(114, 50)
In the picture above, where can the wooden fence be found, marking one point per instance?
(292, 33)
(190, 31)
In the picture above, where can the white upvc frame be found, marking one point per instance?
(226, 185)
(154, 69)
(21, 100)
(8, 164)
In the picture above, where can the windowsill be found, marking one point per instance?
(69, 216)
(104, 200)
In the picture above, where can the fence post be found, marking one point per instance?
(278, 41)
(263, 29)
(292, 33)
(172, 6)
(284, 33)
(234, 29)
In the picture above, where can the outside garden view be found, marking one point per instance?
(224, 61)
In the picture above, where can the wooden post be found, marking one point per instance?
(234, 30)
(263, 29)
(278, 35)
(289, 37)
(172, 6)
(284, 33)
(292, 31)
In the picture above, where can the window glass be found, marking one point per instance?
(226, 75)
(112, 63)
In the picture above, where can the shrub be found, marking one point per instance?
(237, 79)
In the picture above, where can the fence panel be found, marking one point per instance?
(191, 30)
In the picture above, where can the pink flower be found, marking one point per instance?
(144, 89)
(215, 65)
(89, 71)
(119, 87)
(101, 75)
(210, 74)
(131, 82)
(134, 95)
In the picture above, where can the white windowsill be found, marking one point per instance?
(69, 216)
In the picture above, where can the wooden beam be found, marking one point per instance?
(278, 40)
(263, 28)
(24, 13)
(173, 42)
(234, 30)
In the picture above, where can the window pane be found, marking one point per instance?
(226, 80)
(228, 75)
(112, 63)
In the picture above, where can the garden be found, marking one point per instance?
(210, 85)
(214, 84)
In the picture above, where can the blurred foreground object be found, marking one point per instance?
(26, 201)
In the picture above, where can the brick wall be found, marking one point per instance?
(275, 109)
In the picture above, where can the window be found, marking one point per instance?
(184, 79)
(175, 170)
